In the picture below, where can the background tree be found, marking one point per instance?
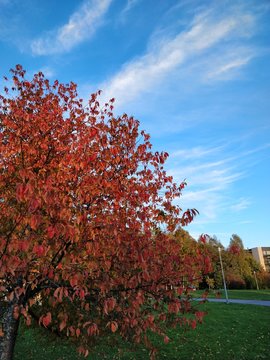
(80, 206)
(214, 242)
(239, 265)
(236, 243)
(214, 276)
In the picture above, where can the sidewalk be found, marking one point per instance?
(236, 301)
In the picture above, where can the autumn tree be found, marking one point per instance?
(236, 244)
(81, 198)
(239, 265)
(213, 277)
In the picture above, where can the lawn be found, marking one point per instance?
(239, 294)
(229, 332)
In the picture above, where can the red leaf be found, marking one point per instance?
(74, 280)
(35, 221)
(46, 319)
(39, 250)
(166, 339)
(193, 324)
(114, 326)
(51, 232)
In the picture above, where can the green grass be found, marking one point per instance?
(229, 332)
(239, 294)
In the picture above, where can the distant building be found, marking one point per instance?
(262, 256)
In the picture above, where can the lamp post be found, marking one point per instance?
(223, 276)
(256, 280)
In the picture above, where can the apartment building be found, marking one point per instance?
(262, 256)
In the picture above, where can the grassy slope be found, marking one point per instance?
(229, 332)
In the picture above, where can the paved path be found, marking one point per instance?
(237, 301)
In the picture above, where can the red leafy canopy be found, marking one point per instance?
(81, 208)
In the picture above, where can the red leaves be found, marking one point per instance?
(93, 132)
(20, 192)
(23, 245)
(180, 290)
(193, 324)
(45, 320)
(74, 280)
(188, 216)
(203, 238)
(82, 294)
(92, 330)
(59, 293)
(35, 221)
(200, 315)
(113, 326)
(39, 250)
(234, 249)
(34, 205)
(174, 307)
(16, 312)
(207, 265)
(109, 305)
(166, 339)
(83, 351)
(62, 325)
(51, 231)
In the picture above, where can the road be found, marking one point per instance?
(237, 301)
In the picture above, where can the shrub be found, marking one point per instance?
(264, 280)
(235, 282)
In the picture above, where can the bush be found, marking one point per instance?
(264, 280)
(250, 282)
(235, 282)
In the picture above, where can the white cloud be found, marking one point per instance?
(166, 55)
(194, 153)
(231, 65)
(227, 65)
(80, 27)
(241, 205)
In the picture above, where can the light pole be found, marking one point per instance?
(256, 280)
(223, 276)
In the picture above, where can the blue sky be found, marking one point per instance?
(196, 75)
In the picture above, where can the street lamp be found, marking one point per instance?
(256, 280)
(223, 276)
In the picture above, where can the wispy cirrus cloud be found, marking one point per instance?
(127, 11)
(228, 63)
(129, 5)
(242, 204)
(81, 26)
(167, 55)
(211, 173)
(232, 65)
(194, 153)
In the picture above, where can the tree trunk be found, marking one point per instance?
(10, 328)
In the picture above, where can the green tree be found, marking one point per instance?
(236, 241)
